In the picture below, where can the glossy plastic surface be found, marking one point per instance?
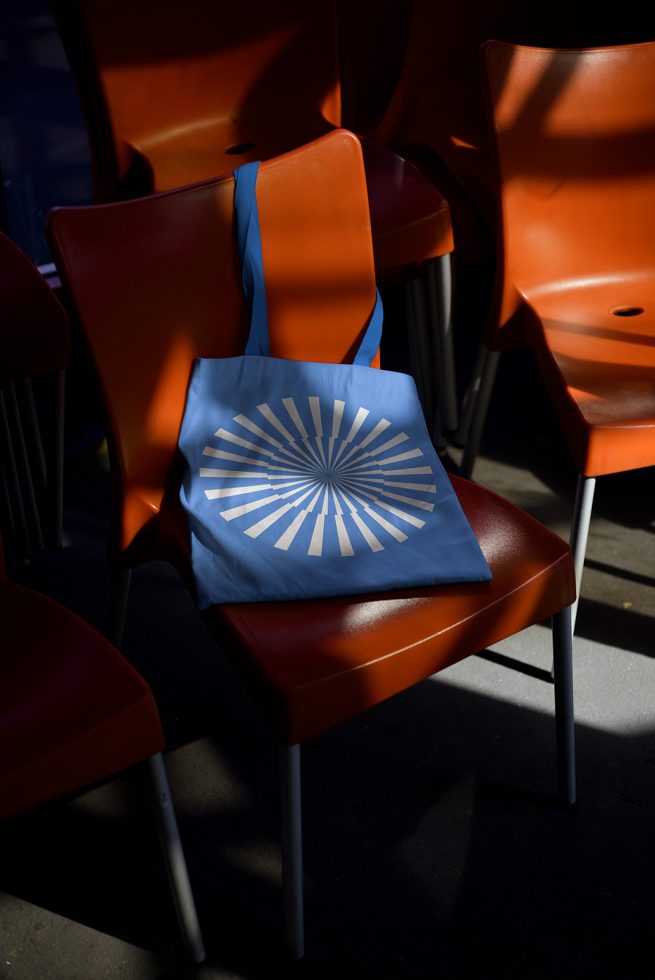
(319, 663)
(154, 283)
(177, 94)
(72, 710)
(575, 134)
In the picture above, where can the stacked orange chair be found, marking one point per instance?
(436, 118)
(574, 131)
(173, 94)
(155, 283)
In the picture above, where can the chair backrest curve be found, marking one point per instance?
(180, 92)
(575, 138)
(155, 284)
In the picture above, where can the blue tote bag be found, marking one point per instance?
(305, 480)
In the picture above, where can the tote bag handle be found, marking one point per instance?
(252, 273)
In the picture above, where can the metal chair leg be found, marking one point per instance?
(564, 716)
(176, 868)
(292, 875)
(475, 409)
(584, 500)
(438, 277)
(420, 348)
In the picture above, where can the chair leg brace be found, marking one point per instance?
(564, 718)
(292, 874)
(174, 859)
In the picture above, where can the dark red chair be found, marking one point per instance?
(73, 713)
(35, 353)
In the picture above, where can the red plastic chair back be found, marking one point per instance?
(171, 260)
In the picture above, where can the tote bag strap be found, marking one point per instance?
(252, 272)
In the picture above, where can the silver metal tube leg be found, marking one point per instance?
(564, 716)
(420, 349)
(440, 298)
(292, 876)
(174, 859)
(584, 500)
(480, 392)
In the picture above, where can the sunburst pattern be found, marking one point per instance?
(318, 476)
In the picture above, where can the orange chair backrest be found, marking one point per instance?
(155, 284)
(179, 92)
(575, 137)
(439, 105)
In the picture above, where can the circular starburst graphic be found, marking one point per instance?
(318, 475)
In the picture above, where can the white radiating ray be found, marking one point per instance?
(358, 421)
(389, 444)
(316, 458)
(234, 512)
(394, 531)
(239, 474)
(345, 482)
(271, 417)
(294, 414)
(296, 455)
(382, 425)
(345, 547)
(337, 416)
(285, 540)
(425, 487)
(321, 450)
(296, 468)
(337, 506)
(404, 499)
(374, 543)
(315, 409)
(314, 500)
(238, 441)
(216, 494)
(257, 430)
(316, 544)
(238, 458)
(256, 529)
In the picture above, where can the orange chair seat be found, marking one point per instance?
(71, 712)
(321, 662)
(599, 366)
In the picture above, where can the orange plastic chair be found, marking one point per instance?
(73, 713)
(155, 283)
(176, 94)
(35, 353)
(574, 131)
(436, 118)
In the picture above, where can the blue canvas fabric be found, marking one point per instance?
(305, 480)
